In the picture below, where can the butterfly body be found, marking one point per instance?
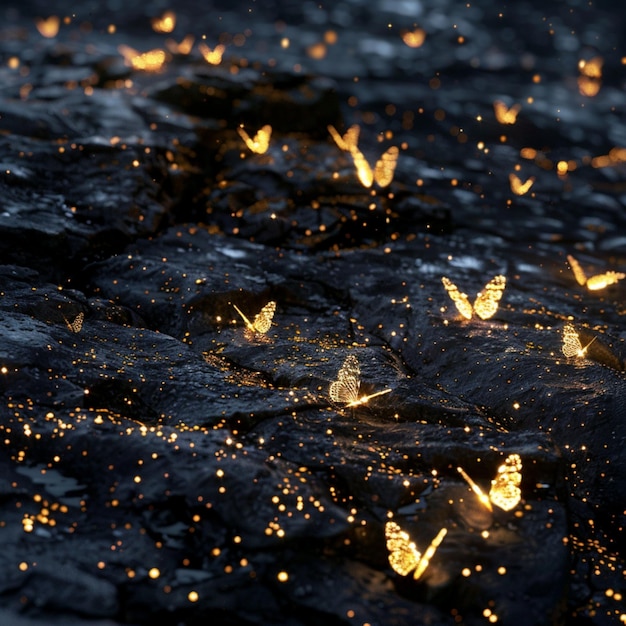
(262, 320)
(486, 303)
(505, 490)
(404, 557)
(598, 281)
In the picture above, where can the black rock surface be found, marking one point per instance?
(163, 463)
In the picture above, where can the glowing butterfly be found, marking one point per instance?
(77, 324)
(214, 57)
(383, 171)
(571, 343)
(598, 281)
(151, 61)
(345, 390)
(50, 27)
(505, 492)
(518, 187)
(414, 38)
(404, 557)
(504, 114)
(164, 24)
(184, 47)
(349, 140)
(262, 320)
(486, 303)
(260, 142)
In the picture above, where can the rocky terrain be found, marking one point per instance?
(176, 449)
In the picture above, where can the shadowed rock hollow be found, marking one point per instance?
(166, 460)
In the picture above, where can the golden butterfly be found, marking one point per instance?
(76, 325)
(345, 390)
(214, 57)
(598, 281)
(413, 38)
(349, 140)
(404, 557)
(486, 303)
(261, 140)
(518, 187)
(504, 114)
(571, 343)
(262, 320)
(505, 489)
(383, 171)
(48, 27)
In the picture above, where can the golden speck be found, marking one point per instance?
(154, 573)
(193, 596)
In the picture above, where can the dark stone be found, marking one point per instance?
(163, 463)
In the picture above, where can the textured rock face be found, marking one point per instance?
(171, 457)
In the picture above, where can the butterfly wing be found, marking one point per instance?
(350, 139)
(386, 167)
(600, 281)
(263, 319)
(460, 300)
(346, 388)
(247, 139)
(403, 554)
(77, 324)
(578, 271)
(571, 341)
(363, 169)
(262, 139)
(486, 303)
(505, 491)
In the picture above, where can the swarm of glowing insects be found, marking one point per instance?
(486, 303)
(595, 282)
(262, 320)
(260, 143)
(572, 347)
(404, 557)
(505, 490)
(345, 390)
